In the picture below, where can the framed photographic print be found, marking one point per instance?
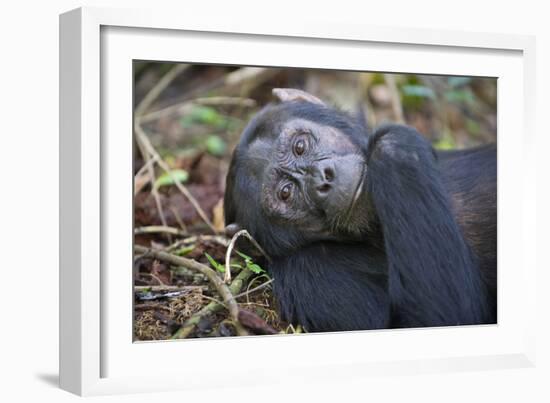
(228, 190)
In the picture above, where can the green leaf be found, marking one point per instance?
(214, 264)
(205, 115)
(185, 250)
(250, 265)
(215, 145)
(165, 179)
(245, 257)
(255, 268)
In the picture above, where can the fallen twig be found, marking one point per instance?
(248, 292)
(245, 233)
(251, 76)
(142, 138)
(156, 288)
(149, 151)
(154, 190)
(225, 292)
(147, 155)
(213, 307)
(178, 219)
(154, 229)
(154, 277)
(143, 176)
(239, 101)
(219, 239)
(181, 108)
(161, 85)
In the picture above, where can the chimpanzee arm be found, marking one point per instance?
(433, 278)
(332, 287)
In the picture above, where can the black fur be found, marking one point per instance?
(333, 286)
(427, 256)
(433, 276)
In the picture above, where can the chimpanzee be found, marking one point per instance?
(365, 230)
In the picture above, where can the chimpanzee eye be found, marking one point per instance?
(299, 147)
(285, 192)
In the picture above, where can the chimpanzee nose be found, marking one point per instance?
(323, 176)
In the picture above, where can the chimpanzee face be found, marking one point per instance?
(300, 166)
(313, 178)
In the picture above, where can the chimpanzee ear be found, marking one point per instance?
(232, 229)
(292, 94)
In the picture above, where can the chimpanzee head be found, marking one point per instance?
(298, 175)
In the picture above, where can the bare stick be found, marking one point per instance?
(184, 107)
(178, 219)
(154, 229)
(219, 239)
(248, 292)
(252, 76)
(145, 166)
(243, 232)
(138, 182)
(170, 288)
(251, 284)
(154, 277)
(156, 196)
(213, 307)
(179, 109)
(149, 151)
(215, 101)
(154, 190)
(161, 85)
(142, 138)
(221, 287)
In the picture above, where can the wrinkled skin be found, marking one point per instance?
(365, 231)
(313, 185)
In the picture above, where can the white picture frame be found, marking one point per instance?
(96, 49)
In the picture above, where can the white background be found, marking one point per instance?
(29, 248)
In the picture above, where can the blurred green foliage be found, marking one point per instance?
(451, 111)
(178, 175)
(203, 115)
(215, 145)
